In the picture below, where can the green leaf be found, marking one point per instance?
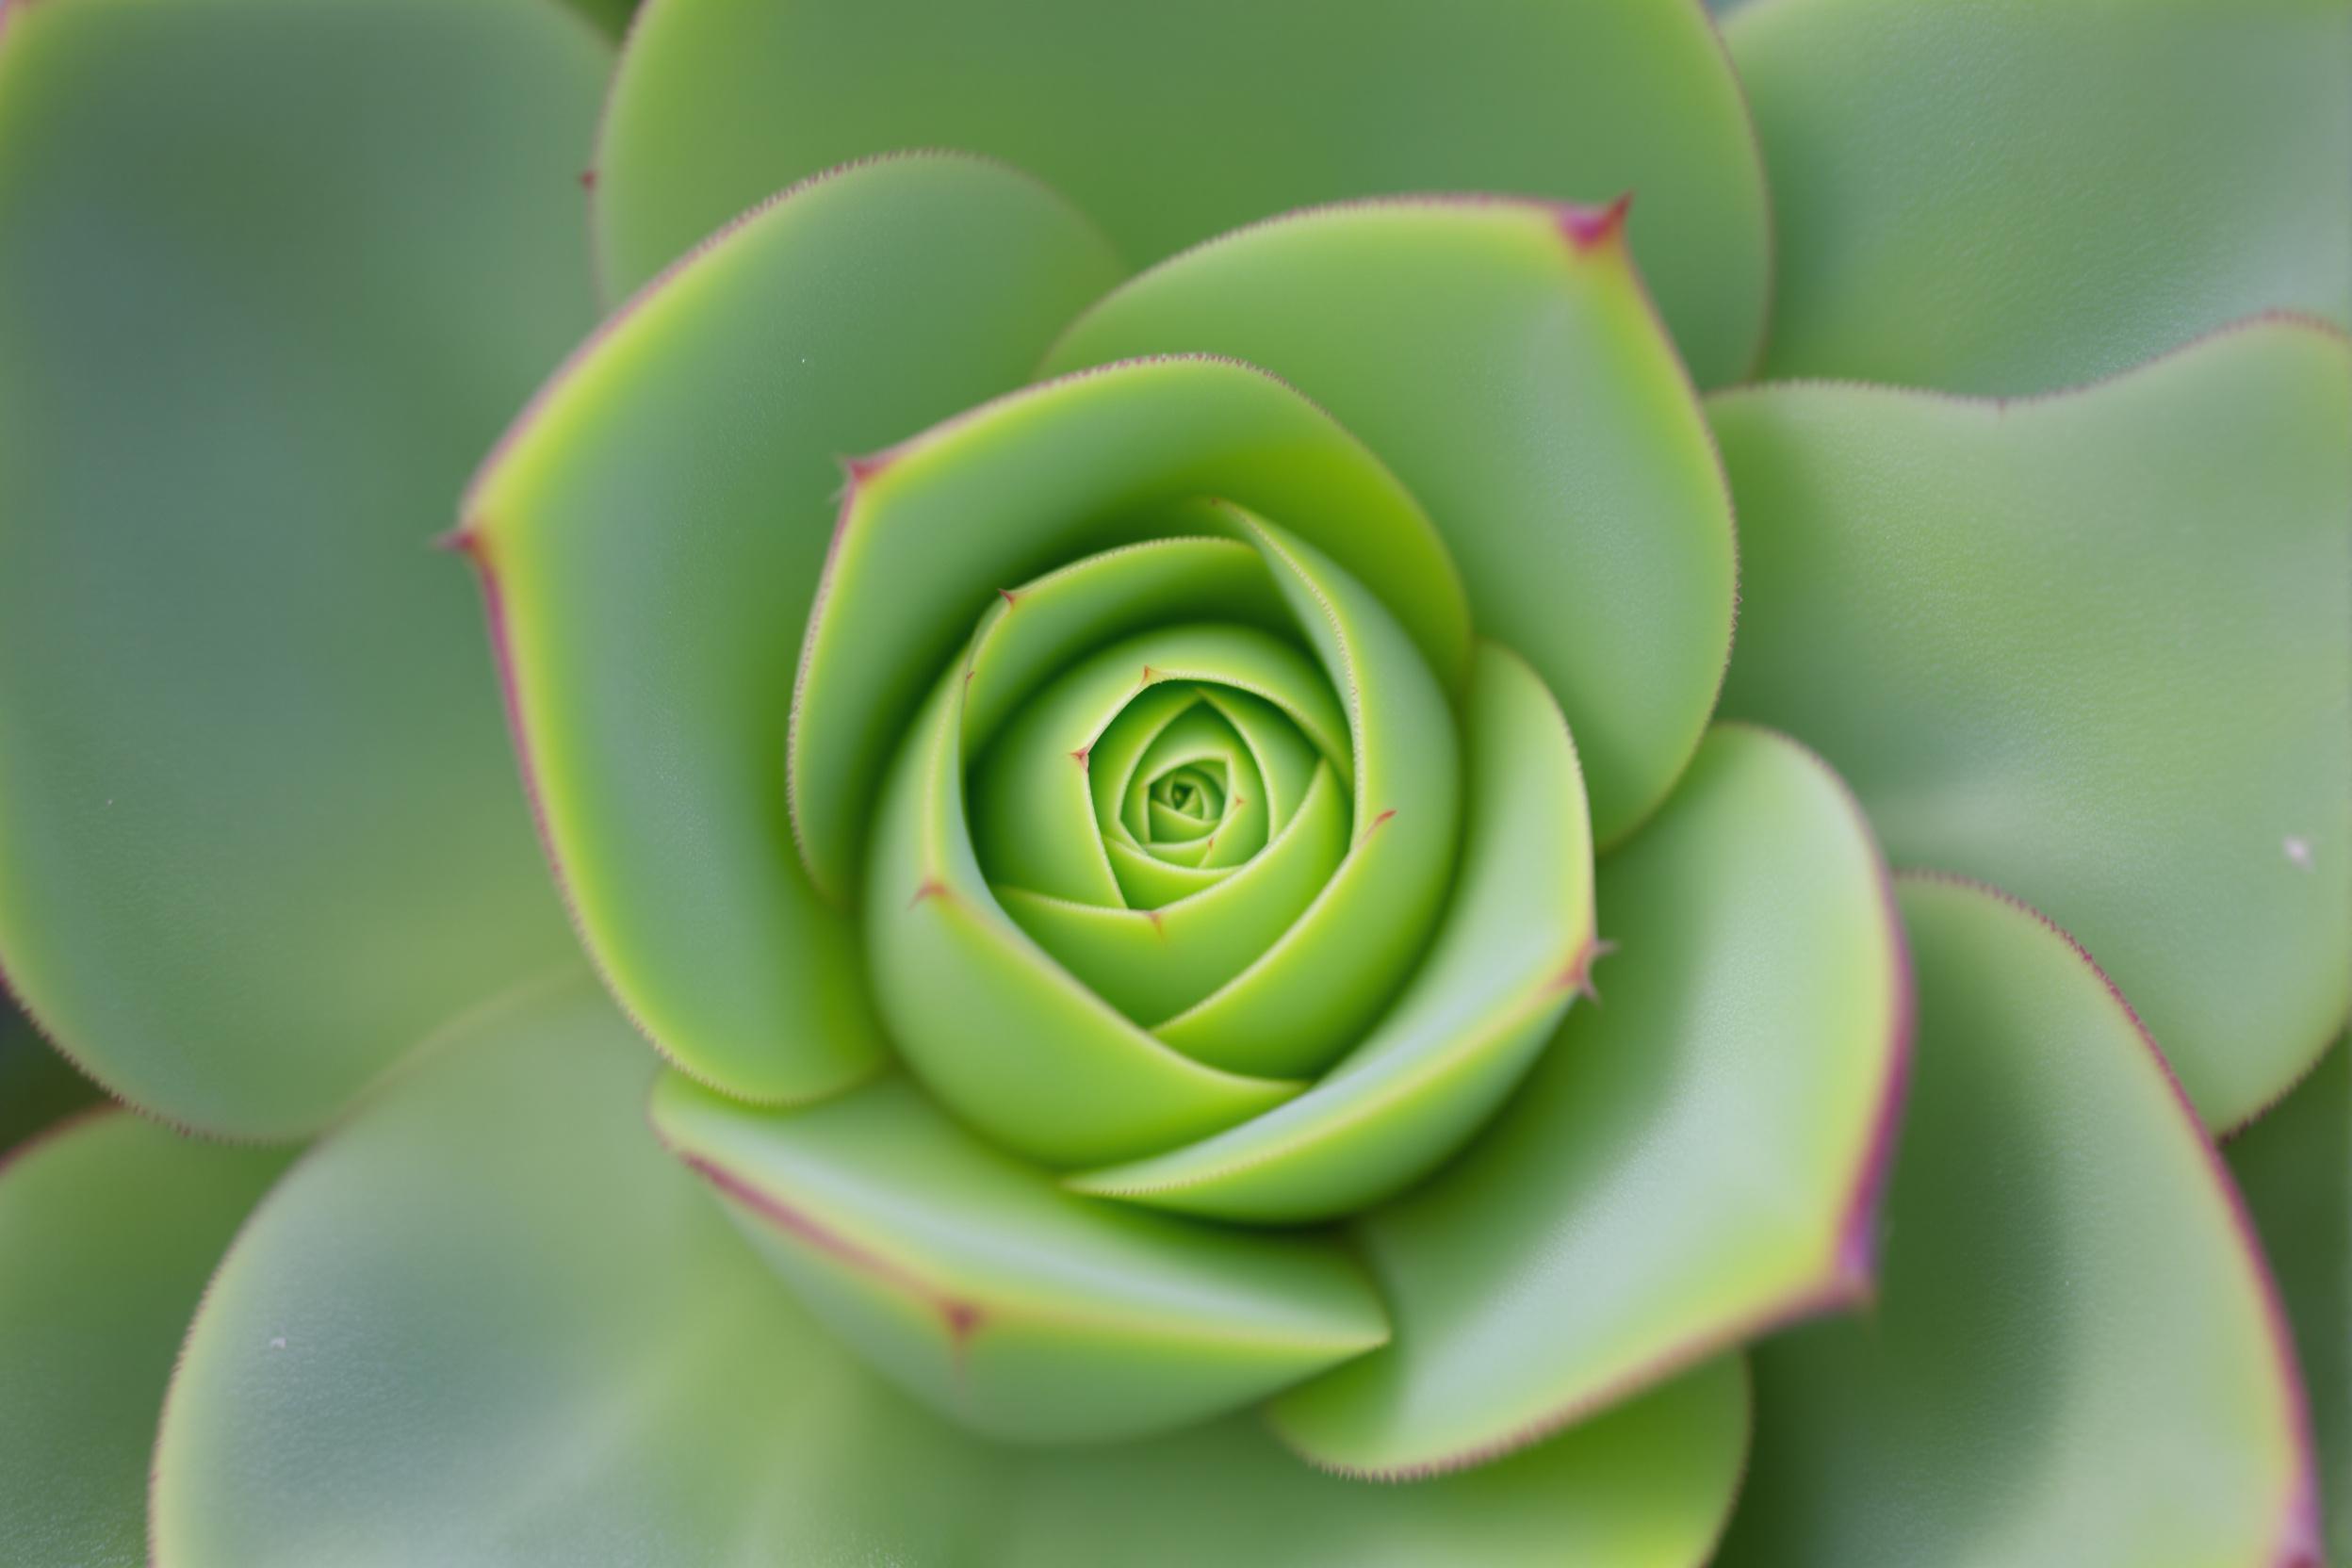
(1692, 1162)
(487, 1321)
(111, 1225)
(1062, 784)
(932, 529)
(1083, 603)
(1311, 994)
(1021, 1311)
(495, 1252)
(651, 533)
(1154, 963)
(1174, 122)
(1646, 1486)
(249, 741)
(988, 1019)
(2092, 648)
(2295, 1167)
(1011, 1040)
(2074, 1356)
(2014, 195)
(1514, 944)
(1050, 799)
(1502, 357)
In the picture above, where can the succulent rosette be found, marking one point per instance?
(1357, 768)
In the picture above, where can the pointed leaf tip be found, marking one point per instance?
(1588, 228)
(1041, 1317)
(1576, 976)
(465, 540)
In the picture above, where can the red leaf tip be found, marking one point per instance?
(860, 469)
(1576, 975)
(1589, 228)
(465, 540)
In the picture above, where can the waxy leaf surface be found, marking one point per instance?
(931, 530)
(611, 1378)
(2073, 1356)
(2010, 196)
(1694, 1159)
(1171, 124)
(1025, 1312)
(1514, 945)
(110, 1226)
(1503, 358)
(651, 533)
(270, 277)
(2092, 648)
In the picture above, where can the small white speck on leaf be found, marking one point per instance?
(2299, 851)
(277, 1342)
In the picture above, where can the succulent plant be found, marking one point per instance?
(1231, 687)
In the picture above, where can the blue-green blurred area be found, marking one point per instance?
(37, 1085)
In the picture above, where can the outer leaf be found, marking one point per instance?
(609, 1378)
(1691, 1163)
(1503, 358)
(270, 276)
(2295, 1167)
(1174, 122)
(651, 533)
(1514, 944)
(2093, 649)
(110, 1226)
(2075, 1357)
(1646, 1486)
(2014, 195)
(1022, 1310)
(489, 1322)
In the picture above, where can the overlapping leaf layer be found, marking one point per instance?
(1115, 762)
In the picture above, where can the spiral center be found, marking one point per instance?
(1159, 812)
(1195, 795)
(1195, 798)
